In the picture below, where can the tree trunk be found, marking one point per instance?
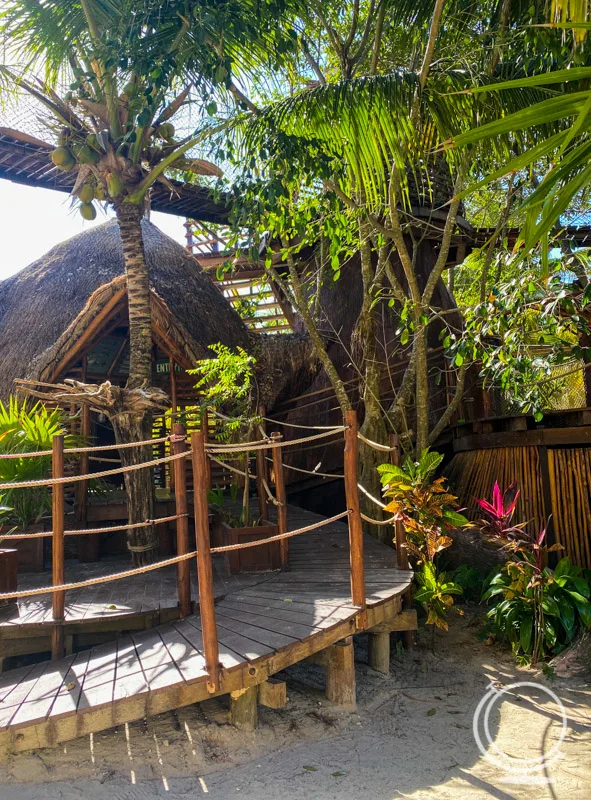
(129, 427)
(142, 542)
(129, 217)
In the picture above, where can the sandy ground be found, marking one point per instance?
(410, 737)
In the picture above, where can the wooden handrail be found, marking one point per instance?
(179, 445)
(57, 547)
(204, 568)
(355, 524)
(281, 496)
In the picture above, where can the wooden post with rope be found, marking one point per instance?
(352, 497)
(281, 496)
(261, 476)
(57, 549)
(400, 539)
(204, 569)
(179, 445)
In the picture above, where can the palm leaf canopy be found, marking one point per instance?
(367, 124)
(570, 146)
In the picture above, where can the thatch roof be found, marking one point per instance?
(45, 307)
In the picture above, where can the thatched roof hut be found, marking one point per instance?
(72, 302)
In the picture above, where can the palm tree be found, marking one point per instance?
(131, 69)
(390, 88)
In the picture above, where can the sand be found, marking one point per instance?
(411, 737)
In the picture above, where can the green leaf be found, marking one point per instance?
(525, 635)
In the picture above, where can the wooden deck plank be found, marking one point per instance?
(156, 662)
(130, 679)
(295, 629)
(228, 657)
(68, 698)
(189, 661)
(42, 696)
(306, 614)
(248, 649)
(273, 640)
(20, 692)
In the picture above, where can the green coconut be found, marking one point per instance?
(129, 89)
(88, 211)
(86, 193)
(62, 158)
(99, 192)
(86, 155)
(166, 130)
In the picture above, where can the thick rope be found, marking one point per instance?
(278, 537)
(268, 444)
(378, 503)
(302, 427)
(65, 587)
(105, 473)
(389, 521)
(376, 445)
(39, 453)
(310, 471)
(112, 529)
(227, 466)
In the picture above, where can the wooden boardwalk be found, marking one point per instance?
(264, 625)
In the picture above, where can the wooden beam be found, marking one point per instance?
(243, 708)
(535, 438)
(272, 693)
(404, 621)
(379, 652)
(340, 673)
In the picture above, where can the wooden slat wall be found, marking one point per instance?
(570, 469)
(473, 473)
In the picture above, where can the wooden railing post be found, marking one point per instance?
(281, 496)
(400, 539)
(352, 496)
(261, 476)
(57, 549)
(204, 568)
(204, 425)
(179, 445)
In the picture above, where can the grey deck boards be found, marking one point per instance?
(258, 619)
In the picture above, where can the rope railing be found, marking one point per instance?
(199, 454)
(375, 445)
(167, 562)
(269, 444)
(78, 450)
(389, 521)
(105, 473)
(377, 502)
(110, 529)
(309, 471)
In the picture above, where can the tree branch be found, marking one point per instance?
(450, 410)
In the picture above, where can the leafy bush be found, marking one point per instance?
(538, 611)
(471, 580)
(26, 429)
(425, 508)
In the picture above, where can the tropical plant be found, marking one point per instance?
(499, 513)
(421, 503)
(436, 594)
(226, 384)
(26, 428)
(131, 70)
(538, 610)
(425, 508)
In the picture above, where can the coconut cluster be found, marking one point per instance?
(87, 152)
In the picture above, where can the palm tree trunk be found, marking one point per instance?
(130, 427)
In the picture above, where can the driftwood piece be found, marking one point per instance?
(575, 661)
(111, 400)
